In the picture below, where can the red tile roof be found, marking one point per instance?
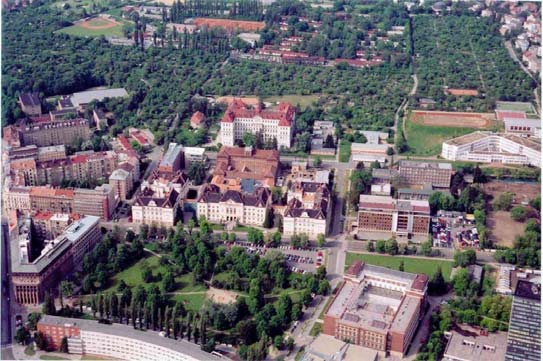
(197, 118)
(238, 109)
(124, 142)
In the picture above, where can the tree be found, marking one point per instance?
(401, 268)
(63, 345)
(437, 285)
(22, 335)
(426, 247)
(33, 320)
(503, 202)
(67, 288)
(390, 151)
(144, 232)
(197, 172)
(466, 258)
(168, 282)
(40, 340)
(48, 307)
(370, 246)
(146, 274)
(380, 246)
(461, 282)
(391, 247)
(317, 162)
(519, 213)
(321, 240)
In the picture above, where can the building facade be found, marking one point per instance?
(308, 209)
(397, 217)
(523, 127)
(275, 123)
(438, 175)
(234, 206)
(152, 209)
(487, 147)
(45, 132)
(377, 308)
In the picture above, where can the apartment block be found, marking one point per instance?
(99, 202)
(234, 206)
(44, 132)
(272, 123)
(438, 175)
(394, 216)
(377, 307)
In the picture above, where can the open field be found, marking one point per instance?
(424, 140)
(413, 265)
(107, 26)
(453, 119)
(503, 229)
(344, 151)
(523, 191)
(303, 100)
(191, 302)
(515, 106)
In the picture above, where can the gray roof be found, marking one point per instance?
(171, 154)
(116, 329)
(61, 244)
(86, 97)
(424, 165)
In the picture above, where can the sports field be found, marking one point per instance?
(413, 265)
(453, 119)
(303, 100)
(97, 26)
(516, 106)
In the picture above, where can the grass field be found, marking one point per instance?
(316, 329)
(515, 106)
(413, 265)
(101, 28)
(51, 357)
(344, 151)
(426, 140)
(132, 277)
(303, 100)
(192, 302)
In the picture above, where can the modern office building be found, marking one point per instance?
(117, 341)
(524, 337)
(32, 276)
(377, 307)
(488, 147)
(272, 123)
(234, 206)
(438, 175)
(393, 216)
(308, 209)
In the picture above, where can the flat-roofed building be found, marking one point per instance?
(377, 307)
(438, 175)
(172, 161)
(326, 347)
(81, 99)
(52, 199)
(31, 277)
(234, 206)
(122, 182)
(277, 123)
(488, 147)
(368, 152)
(117, 341)
(14, 153)
(53, 152)
(394, 216)
(99, 201)
(194, 154)
(470, 345)
(524, 337)
(523, 127)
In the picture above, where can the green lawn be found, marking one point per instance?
(413, 265)
(132, 276)
(191, 302)
(51, 357)
(426, 140)
(303, 100)
(75, 30)
(344, 151)
(515, 106)
(316, 329)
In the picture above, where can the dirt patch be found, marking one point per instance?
(98, 23)
(503, 228)
(453, 119)
(221, 296)
(524, 192)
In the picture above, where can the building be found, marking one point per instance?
(14, 153)
(63, 114)
(438, 175)
(381, 189)
(99, 202)
(488, 147)
(235, 164)
(99, 118)
(393, 216)
(197, 120)
(53, 152)
(230, 25)
(368, 152)
(234, 206)
(45, 132)
(172, 161)
(30, 103)
(524, 337)
(50, 199)
(523, 127)
(194, 154)
(31, 277)
(375, 137)
(153, 208)
(81, 99)
(308, 208)
(377, 307)
(274, 124)
(117, 341)
(470, 345)
(121, 181)
(326, 347)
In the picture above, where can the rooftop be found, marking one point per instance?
(30, 99)
(182, 346)
(284, 112)
(473, 346)
(326, 347)
(171, 154)
(86, 97)
(424, 165)
(389, 203)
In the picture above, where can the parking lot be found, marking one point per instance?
(298, 260)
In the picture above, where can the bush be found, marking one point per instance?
(519, 213)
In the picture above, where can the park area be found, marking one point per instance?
(426, 131)
(105, 25)
(412, 265)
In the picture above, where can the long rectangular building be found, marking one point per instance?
(377, 307)
(438, 175)
(44, 132)
(395, 216)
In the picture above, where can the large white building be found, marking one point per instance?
(234, 206)
(273, 123)
(524, 127)
(308, 206)
(488, 147)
